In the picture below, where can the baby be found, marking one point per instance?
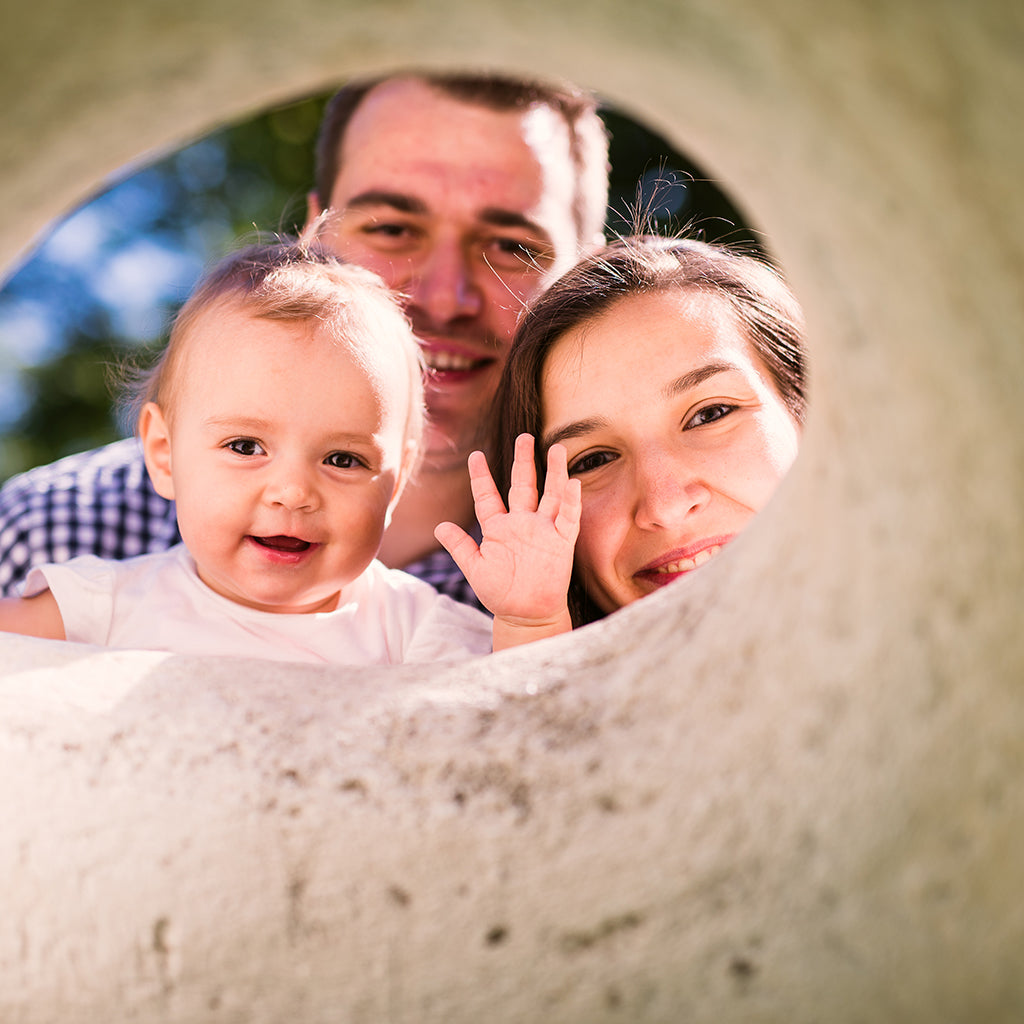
(283, 419)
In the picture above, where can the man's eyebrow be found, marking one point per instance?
(578, 428)
(496, 216)
(695, 377)
(399, 201)
(502, 218)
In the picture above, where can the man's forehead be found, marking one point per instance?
(410, 139)
(405, 102)
(409, 123)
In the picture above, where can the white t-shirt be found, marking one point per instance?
(157, 602)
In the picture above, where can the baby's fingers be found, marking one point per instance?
(459, 544)
(555, 482)
(567, 521)
(522, 494)
(486, 499)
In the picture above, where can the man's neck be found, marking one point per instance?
(433, 496)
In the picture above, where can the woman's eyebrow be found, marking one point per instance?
(575, 429)
(696, 377)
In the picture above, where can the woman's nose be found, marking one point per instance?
(443, 288)
(667, 490)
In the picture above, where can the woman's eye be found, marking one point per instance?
(708, 414)
(343, 460)
(590, 461)
(245, 446)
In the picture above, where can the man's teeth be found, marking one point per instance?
(438, 360)
(686, 564)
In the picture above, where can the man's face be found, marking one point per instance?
(465, 211)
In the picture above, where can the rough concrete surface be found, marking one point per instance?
(787, 790)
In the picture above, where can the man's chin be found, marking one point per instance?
(446, 448)
(456, 428)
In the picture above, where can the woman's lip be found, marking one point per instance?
(683, 560)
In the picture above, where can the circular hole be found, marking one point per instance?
(105, 280)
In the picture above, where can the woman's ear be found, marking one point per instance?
(156, 448)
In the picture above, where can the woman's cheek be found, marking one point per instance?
(600, 529)
(765, 461)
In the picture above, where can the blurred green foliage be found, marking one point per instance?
(197, 203)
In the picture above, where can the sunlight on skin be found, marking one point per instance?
(675, 456)
(521, 568)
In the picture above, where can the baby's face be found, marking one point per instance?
(286, 453)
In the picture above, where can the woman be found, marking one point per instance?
(673, 373)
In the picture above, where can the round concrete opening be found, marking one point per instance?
(785, 792)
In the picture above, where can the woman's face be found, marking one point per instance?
(675, 430)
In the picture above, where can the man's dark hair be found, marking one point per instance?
(588, 138)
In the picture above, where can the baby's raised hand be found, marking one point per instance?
(520, 570)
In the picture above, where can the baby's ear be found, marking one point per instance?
(410, 463)
(156, 447)
(410, 460)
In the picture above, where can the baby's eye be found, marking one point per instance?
(247, 446)
(590, 461)
(344, 460)
(709, 414)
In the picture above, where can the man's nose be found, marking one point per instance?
(668, 488)
(444, 287)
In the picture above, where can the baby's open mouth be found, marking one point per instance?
(290, 544)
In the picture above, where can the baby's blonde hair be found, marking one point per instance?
(291, 281)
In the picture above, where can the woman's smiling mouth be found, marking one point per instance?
(677, 563)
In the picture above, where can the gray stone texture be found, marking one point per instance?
(788, 790)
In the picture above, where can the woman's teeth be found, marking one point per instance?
(686, 564)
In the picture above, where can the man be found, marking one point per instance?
(468, 194)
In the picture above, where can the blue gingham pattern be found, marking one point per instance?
(99, 502)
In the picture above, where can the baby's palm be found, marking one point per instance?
(521, 569)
